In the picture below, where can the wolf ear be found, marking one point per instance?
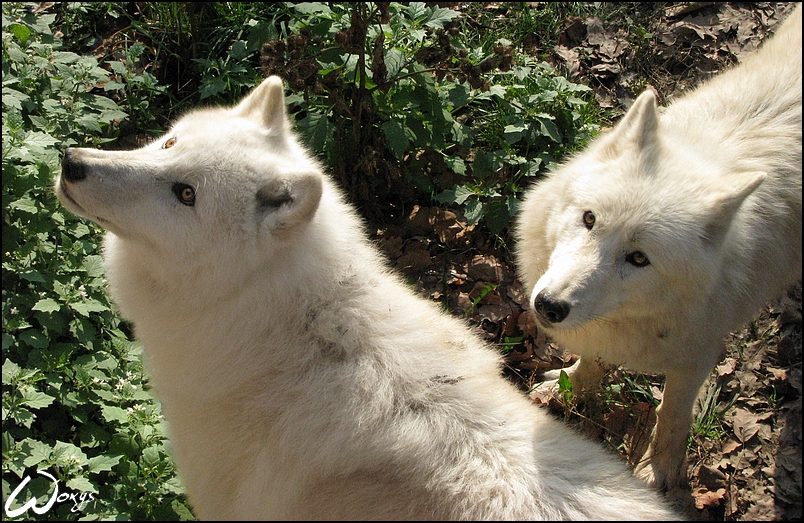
(286, 202)
(639, 125)
(265, 104)
(723, 204)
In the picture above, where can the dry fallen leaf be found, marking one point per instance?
(707, 499)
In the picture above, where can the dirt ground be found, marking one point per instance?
(748, 465)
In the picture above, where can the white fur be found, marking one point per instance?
(299, 378)
(710, 191)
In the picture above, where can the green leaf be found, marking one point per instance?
(13, 98)
(499, 213)
(311, 8)
(81, 484)
(37, 452)
(25, 204)
(438, 16)
(395, 138)
(317, 130)
(46, 305)
(458, 95)
(89, 122)
(34, 338)
(21, 32)
(456, 164)
(565, 385)
(87, 306)
(458, 195)
(64, 452)
(394, 61)
(474, 211)
(514, 133)
(93, 265)
(151, 457)
(548, 127)
(112, 413)
(40, 140)
(36, 400)
(102, 463)
(10, 370)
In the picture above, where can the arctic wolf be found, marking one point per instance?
(650, 246)
(299, 378)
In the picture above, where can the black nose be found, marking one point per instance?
(551, 309)
(71, 169)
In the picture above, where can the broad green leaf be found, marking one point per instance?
(548, 127)
(102, 463)
(37, 452)
(514, 133)
(474, 211)
(36, 400)
(317, 129)
(456, 164)
(46, 305)
(87, 306)
(34, 338)
(458, 195)
(81, 484)
(10, 371)
(93, 265)
(395, 138)
(458, 95)
(112, 413)
(13, 98)
(25, 204)
(394, 61)
(21, 32)
(438, 16)
(309, 8)
(151, 457)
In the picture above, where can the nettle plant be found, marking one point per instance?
(74, 400)
(386, 91)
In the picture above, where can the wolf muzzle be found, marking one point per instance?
(72, 170)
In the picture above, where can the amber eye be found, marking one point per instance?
(589, 219)
(637, 259)
(185, 193)
(169, 143)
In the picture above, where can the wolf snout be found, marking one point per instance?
(549, 308)
(72, 170)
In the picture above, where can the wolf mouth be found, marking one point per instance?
(66, 192)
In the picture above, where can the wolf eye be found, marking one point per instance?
(637, 259)
(185, 193)
(589, 219)
(169, 143)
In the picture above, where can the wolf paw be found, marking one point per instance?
(662, 471)
(544, 391)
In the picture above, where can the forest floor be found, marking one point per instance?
(745, 462)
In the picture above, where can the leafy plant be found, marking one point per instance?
(393, 93)
(74, 398)
(708, 420)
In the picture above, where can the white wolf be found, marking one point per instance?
(663, 235)
(299, 378)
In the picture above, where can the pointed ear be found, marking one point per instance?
(722, 205)
(638, 126)
(265, 104)
(288, 201)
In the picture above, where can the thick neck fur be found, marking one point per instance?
(189, 354)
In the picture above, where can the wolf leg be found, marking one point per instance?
(664, 465)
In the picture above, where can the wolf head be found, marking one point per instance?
(218, 179)
(631, 226)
